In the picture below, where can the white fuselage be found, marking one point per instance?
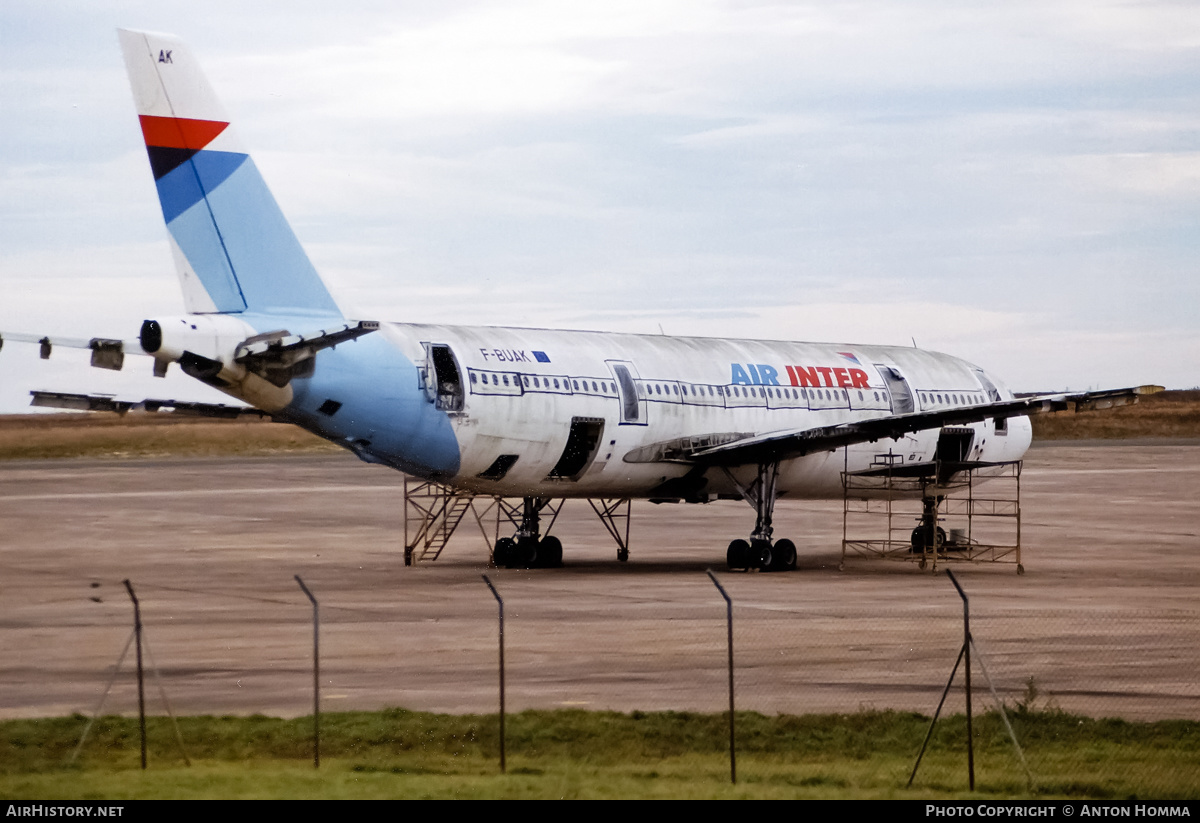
(516, 398)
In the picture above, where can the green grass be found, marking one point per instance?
(578, 754)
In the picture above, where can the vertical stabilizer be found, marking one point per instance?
(234, 250)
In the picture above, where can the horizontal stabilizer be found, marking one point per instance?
(104, 402)
(274, 356)
(106, 353)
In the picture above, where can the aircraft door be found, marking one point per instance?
(993, 394)
(443, 378)
(902, 398)
(583, 441)
(633, 409)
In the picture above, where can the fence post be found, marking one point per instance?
(316, 674)
(967, 672)
(496, 594)
(729, 634)
(137, 633)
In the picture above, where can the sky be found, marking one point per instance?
(1015, 183)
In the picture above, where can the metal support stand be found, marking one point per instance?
(729, 642)
(616, 515)
(500, 601)
(316, 673)
(432, 512)
(882, 502)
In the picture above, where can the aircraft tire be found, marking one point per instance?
(550, 553)
(920, 539)
(503, 553)
(783, 556)
(760, 555)
(738, 555)
(526, 555)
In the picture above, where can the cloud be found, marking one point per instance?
(1006, 180)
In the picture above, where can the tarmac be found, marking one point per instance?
(1105, 619)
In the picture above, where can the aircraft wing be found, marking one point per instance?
(104, 402)
(781, 445)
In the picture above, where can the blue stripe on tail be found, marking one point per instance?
(235, 238)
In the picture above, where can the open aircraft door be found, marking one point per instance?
(898, 389)
(442, 378)
(633, 408)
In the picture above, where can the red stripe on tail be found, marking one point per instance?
(179, 132)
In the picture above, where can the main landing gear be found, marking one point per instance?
(525, 550)
(759, 552)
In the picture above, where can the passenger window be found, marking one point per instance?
(474, 378)
(506, 379)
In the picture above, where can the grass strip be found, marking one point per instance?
(581, 754)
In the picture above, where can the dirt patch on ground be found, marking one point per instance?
(1103, 622)
(1168, 414)
(140, 434)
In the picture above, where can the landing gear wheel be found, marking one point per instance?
(783, 556)
(920, 539)
(622, 555)
(760, 554)
(1020, 569)
(502, 555)
(524, 553)
(738, 555)
(549, 553)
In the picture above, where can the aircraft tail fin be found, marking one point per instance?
(234, 250)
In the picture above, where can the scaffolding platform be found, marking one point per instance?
(931, 513)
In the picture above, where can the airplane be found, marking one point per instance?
(529, 413)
